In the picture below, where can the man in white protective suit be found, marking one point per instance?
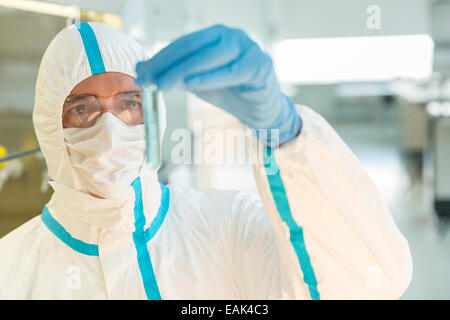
(317, 230)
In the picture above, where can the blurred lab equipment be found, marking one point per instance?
(10, 166)
(439, 140)
(425, 123)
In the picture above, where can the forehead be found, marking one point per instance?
(105, 84)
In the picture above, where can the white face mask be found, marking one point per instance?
(108, 156)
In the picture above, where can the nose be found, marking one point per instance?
(106, 103)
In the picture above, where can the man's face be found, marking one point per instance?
(113, 92)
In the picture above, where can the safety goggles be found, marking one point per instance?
(82, 111)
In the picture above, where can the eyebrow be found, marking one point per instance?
(76, 98)
(130, 93)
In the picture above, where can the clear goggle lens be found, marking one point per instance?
(82, 111)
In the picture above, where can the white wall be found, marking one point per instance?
(324, 18)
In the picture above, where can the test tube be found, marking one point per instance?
(151, 123)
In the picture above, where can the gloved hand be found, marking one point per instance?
(226, 68)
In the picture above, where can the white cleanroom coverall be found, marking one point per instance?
(317, 230)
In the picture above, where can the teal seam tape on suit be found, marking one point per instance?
(296, 232)
(141, 237)
(58, 230)
(91, 47)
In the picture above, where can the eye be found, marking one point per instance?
(79, 110)
(130, 104)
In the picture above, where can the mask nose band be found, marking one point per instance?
(91, 47)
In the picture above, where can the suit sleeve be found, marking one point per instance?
(335, 238)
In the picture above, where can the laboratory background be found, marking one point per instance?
(377, 71)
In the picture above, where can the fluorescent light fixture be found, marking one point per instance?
(66, 11)
(40, 7)
(351, 59)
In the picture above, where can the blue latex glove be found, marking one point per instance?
(226, 68)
